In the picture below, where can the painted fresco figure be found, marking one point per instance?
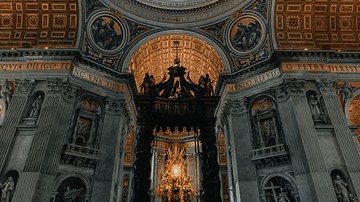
(247, 37)
(105, 35)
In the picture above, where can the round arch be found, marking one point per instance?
(190, 41)
(63, 177)
(347, 106)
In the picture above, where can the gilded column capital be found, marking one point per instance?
(326, 86)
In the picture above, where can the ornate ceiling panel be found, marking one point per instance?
(156, 55)
(317, 24)
(38, 24)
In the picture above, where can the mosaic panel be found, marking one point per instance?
(51, 24)
(317, 25)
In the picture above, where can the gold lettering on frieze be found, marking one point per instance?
(253, 80)
(27, 66)
(100, 80)
(319, 67)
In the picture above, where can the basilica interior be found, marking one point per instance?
(179, 101)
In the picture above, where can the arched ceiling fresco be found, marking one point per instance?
(156, 55)
(317, 25)
(38, 24)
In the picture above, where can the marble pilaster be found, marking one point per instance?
(104, 179)
(239, 134)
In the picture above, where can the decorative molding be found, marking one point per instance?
(295, 86)
(114, 106)
(281, 92)
(70, 91)
(24, 86)
(55, 86)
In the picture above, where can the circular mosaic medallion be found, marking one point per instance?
(106, 33)
(246, 34)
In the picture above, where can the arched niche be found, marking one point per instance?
(343, 187)
(8, 184)
(155, 53)
(317, 107)
(86, 122)
(279, 186)
(352, 112)
(71, 188)
(265, 122)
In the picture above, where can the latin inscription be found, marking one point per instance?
(100, 80)
(321, 67)
(253, 80)
(26, 66)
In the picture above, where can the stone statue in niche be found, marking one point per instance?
(106, 33)
(317, 110)
(283, 197)
(341, 189)
(207, 84)
(247, 34)
(82, 131)
(7, 190)
(346, 92)
(35, 107)
(5, 93)
(268, 131)
(147, 85)
(71, 194)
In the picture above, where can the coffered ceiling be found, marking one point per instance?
(156, 55)
(38, 24)
(317, 24)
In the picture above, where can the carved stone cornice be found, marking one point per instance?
(114, 106)
(326, 86)
(24, 86)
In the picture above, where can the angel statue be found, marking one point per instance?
(147, 85)
(206, 83)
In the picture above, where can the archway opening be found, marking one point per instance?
(158, 54)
